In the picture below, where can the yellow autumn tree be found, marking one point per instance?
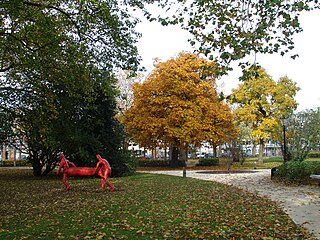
(178, 105)
(261, 102)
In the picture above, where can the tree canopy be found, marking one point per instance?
(302, 133)
(260, 102)
(233, 30)
(57, 82)
(104, 29)
(178, 105)
(58, 57)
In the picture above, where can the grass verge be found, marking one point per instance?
(145, 206)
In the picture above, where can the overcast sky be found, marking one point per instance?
(166, 42)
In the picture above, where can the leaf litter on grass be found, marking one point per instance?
(146, 206)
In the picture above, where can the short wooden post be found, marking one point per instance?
(184, 172)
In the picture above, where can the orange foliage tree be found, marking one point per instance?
(178, 105)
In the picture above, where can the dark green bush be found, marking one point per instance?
(124, 165)
(157, 163)
(295, 171)
(314, 155)
(208, 162)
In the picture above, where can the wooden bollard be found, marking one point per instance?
(184, 172)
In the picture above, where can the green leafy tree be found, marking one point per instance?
(302, 133)
(104, 27)
(5, 126)
(97, 130)
(232, 30)
(56, 58)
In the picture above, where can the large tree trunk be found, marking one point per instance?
(261, 148)
(36, 165)
(42, 164)
(3, 152)
(14, 157)
(214, 148)
(253, 150)
(184, 153)
(174, 162)
(165, 153)
(153, 153)
(219, 151)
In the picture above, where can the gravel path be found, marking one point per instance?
(301, 203)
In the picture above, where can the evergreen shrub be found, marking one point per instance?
(124, 165)
(295, 171)
(158, 163)
(314, 155)
(208, 162)
(10, 163)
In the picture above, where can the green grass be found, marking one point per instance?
(249, 163)
(252, 162)
(313, 159)
(267, 162)
(145, 206)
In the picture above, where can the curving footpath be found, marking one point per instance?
(301, 203)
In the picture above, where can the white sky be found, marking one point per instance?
(166, 42)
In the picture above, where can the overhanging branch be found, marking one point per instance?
(57, 9)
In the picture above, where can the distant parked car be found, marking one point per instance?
(245, 154)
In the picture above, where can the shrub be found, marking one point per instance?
(157, 163)
(208, 162)
(295, 171)
(314, 155)
(124, 165)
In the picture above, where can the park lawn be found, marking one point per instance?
(249, 163)
(145, 206)
(268, 162)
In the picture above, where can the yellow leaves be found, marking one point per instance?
(264, 129)
(268, 124)
(179, 100)
(261, 102)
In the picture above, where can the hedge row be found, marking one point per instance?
(166, 163)
(10, 163)
(157, 163)
(208, 162)
(295, 171)
(314, 154)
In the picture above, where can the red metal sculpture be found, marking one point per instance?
(102, 169)
(104, 172)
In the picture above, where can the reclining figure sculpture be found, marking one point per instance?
(102, 170)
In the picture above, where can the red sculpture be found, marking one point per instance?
(102, 169)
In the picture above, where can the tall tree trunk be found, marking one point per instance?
(219, 151)
(184, 153)
(144, 152)
(253, 150)
(214, 149)
(153, 153)
(261, 148)
(125, 143)
(165, 153)
(174, 161)
(3, 152)
(36, 165)
(14, 156)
